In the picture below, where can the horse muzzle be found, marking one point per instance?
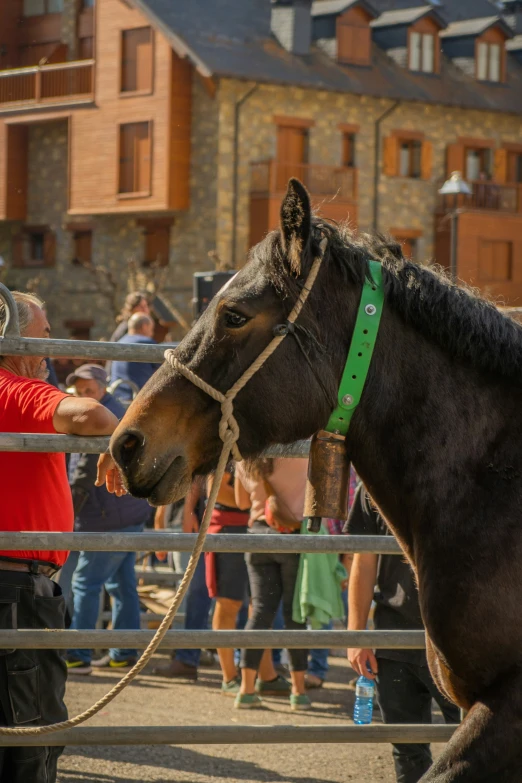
(161, 479)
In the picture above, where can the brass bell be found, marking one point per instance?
(328, 480)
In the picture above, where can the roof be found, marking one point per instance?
(475, 27)
(515, 44)
(231, 38)
(328, 7)
(404, 16)
(450, 10)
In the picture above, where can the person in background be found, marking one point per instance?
(226, 572)
(404, 685)
(184, 664)
(276, 488)
(35, 496)
(140, 331)
(318, 665)
(96, 510)
(135, 302)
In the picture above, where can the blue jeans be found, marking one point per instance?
(278, 625)
(197, 610)
(65, 578)
(115, 570)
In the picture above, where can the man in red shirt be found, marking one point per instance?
(35, 496)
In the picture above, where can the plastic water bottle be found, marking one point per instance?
(364, 693)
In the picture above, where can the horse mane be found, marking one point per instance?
(455, 317)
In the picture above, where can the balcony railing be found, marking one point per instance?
(488, 196)
(271, 177)
(45, 84)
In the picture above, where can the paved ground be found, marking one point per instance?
(156, 701)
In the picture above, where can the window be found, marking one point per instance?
(136, 60)
(479, 163)
(157, 241)
(514, 167)
(135, 158)
(82, 247)
(489, 61)
(40, 7)
(34, 246)
(495, 260)
(87, 3)
(348, 150)
(410, 158)
(353, 44)
(422, 52)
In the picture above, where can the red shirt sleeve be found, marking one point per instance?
(36, 402)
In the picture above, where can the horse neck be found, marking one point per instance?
(422, 418)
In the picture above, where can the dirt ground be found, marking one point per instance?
(156, 701)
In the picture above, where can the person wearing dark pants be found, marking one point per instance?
(276, 489)
(35, 496)
(405, 689)
(32, 682)
(414, 706)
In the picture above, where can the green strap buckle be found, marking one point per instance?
(360, 353)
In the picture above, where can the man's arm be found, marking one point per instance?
(363, 576)
(190, 522)
(75, 416)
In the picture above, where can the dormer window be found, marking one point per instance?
(354, 37)
(489, 62)
(422, 52)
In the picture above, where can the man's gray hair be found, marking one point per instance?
(137, 321)
(23, 305)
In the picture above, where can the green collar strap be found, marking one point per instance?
(360, 353)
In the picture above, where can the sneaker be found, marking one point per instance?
(231, 688)
(313, 681)
(247, 701)
(76, 666)
(108, 662)
(300, 701)
(277, 687)
(176, 670)
(207, 658)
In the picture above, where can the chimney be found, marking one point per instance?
(291, 24)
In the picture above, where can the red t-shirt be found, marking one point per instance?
(35, 493)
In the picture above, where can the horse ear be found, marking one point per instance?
(296, 222)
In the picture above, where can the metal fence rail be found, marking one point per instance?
(70, 444)
(237, 735)
(82, 349)
(187, 640)
(184, 542)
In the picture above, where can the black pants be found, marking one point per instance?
(272, 578)
(404, 692)
(32, 682)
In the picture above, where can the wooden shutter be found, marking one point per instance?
(143, 157)
(455, 159)
(126, 159)
(49, 248)
(390, 156)
(83, 246)
(426, 159)
(136, 63)
(144, 59)
(18, 250)
(157, 245)
(291, 154)
(501, 165)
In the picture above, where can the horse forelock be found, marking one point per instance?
(457, 318)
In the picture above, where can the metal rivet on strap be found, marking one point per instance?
(370, 309)
(347, 399)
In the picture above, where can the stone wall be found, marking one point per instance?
(403, 203)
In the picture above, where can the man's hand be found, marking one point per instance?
(363, 662)
(190, 523)
(109, 474)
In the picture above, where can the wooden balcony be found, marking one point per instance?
(333, 190)
(43, 85)
(487, 196)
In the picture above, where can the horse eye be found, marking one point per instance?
(234, 320)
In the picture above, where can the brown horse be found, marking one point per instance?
(436, 439)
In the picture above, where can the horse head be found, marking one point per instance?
(170, 432)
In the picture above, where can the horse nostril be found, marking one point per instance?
(126, 448)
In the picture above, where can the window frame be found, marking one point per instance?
(25, 240)
(135, 193)
(414, 146)
(146, 90)
(45, 12)
(484, 153)
(484, 62)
